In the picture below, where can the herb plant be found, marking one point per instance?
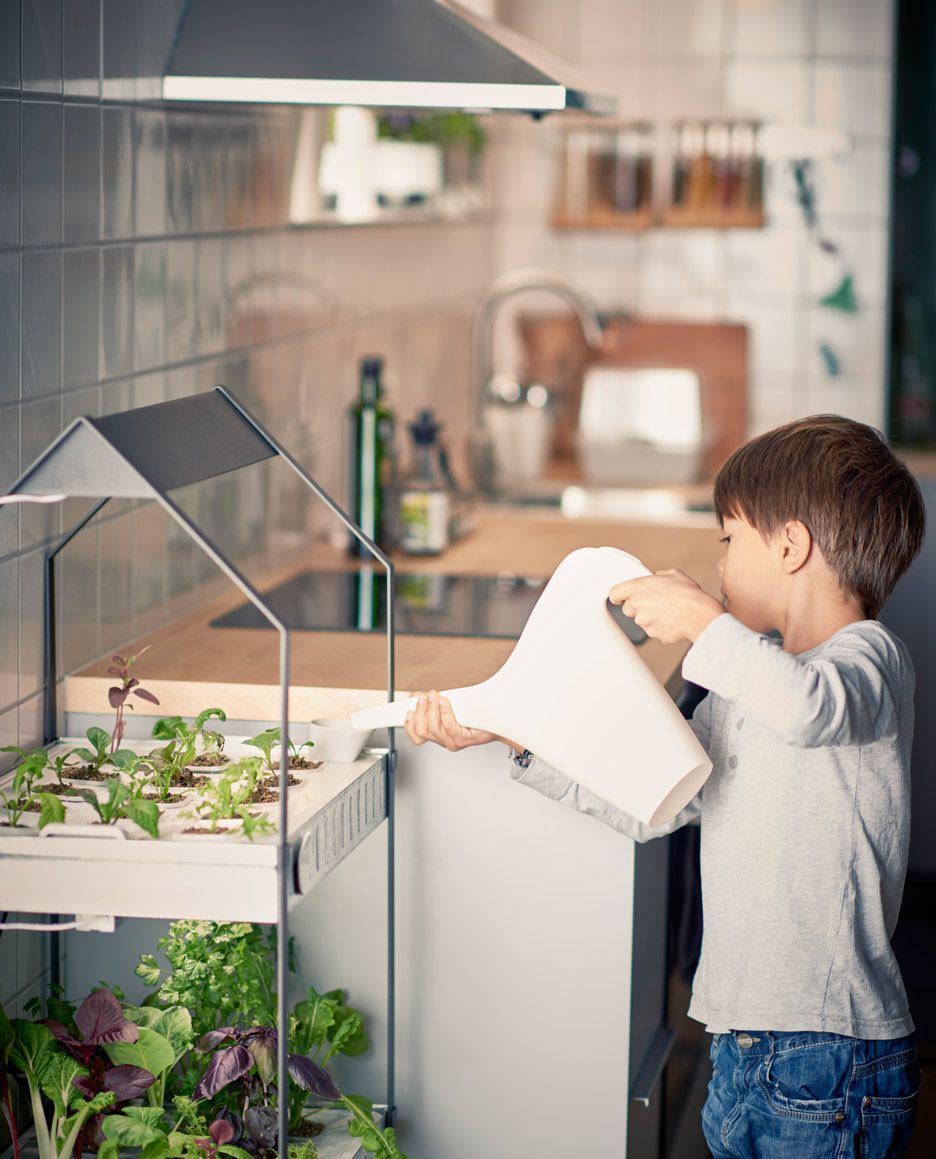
(100, 751)
(123, 801)
(119, 694)
(267, 740)
(25, 792)
(227, 798)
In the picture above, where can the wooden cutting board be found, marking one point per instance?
(556, 354)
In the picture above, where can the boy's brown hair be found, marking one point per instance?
(839, 477)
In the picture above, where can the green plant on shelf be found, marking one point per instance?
(124, 801)
(268, 740)
(118, 695)
(142, 773)
(97, 755)
(25, 792)
(209, 740)
(228, 798)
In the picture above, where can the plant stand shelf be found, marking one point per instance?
(125, 873)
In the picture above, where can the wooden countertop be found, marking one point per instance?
(191, 665)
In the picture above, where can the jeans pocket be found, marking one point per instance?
(807, 1083)
(889, 1107)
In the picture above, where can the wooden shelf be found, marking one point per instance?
(678, 218)
(630, 222)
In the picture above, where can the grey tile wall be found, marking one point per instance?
(146, 253)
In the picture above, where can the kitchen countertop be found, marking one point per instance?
(190, 664)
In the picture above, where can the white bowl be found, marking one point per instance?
(336, 739)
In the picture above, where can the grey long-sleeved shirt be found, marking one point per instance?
(805, 828)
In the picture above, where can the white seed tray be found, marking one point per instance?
(119, 871)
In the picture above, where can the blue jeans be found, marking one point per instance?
(810, 1095)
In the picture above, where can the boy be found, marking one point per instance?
(805, 817)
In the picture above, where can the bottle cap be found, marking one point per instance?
(424, 429)
(371, 365)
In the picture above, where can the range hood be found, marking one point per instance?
(384, 53)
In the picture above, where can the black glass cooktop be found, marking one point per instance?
(426, 604)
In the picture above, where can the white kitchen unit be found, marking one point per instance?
(530, 966)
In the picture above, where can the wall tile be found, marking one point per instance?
(30, 723)
(772, 27)
(9, 643)
(115, 579)
(9, 735)
(31, 590)
(10, 16)
(180, 300)
(78, 582)
(9, 471)
(774, 399)
(691, 27)
(117, 173)
(856, 397)
(856, 186)
(768, 265)
(606, 27)
(181, 136)
(81, 337)
(117, 72)
(690, 261)
(688, 89)
(776, 333)
(42, 172)
(117, 277)
(42, 46)
(150, 173)
(149, 306)
(41, 322)
(150, 598)
(210, 318)
(82, 48)
(9, 326)
(854, 97)
(862, 252)
(856, 339)
(768, 90)
(9, 172)
(854, 28)
(40, 422)
(82, 178)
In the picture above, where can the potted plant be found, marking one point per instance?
(224, 803)
(123, 802)
(268, 742)
(25, 794)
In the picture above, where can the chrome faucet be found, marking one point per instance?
(505, 287)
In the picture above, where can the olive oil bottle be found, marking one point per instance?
(371, 434)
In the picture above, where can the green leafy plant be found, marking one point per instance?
(433, 128)
(267, 740)
(210, 741)
(25, 792)
(124, 801)
(320, 1027)
(228, 797)
(147, 1129)
(165, 1036)
(221, 971)
(100, 752)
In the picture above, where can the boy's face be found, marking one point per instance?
(750, 571)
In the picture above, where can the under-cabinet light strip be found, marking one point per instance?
(384, 94)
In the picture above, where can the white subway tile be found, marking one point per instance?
(856, 340)
(691, 261)
(543, 21)
(862, 252)
(688, 89)
(856, 397)
(613, 27)
(855, 28)
(768, 264)
(855, 97)
(854, 186)
(768, 90)
(774, 399)
(771, 27)
(691, 27)
(776, 334)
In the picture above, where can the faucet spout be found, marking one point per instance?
(505, 287)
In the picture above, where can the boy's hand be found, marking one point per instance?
(668, 605)
(434, 720)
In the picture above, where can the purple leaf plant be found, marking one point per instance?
(119, 694)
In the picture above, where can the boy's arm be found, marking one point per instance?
(551, 783)
(848, 700)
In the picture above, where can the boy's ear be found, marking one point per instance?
(795, 545)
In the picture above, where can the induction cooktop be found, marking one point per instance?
(426, 604)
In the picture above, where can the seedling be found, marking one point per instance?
(226, 798)
(26, 777)
(98, 755)
(122, 802)
(119, 694)
(266, 742)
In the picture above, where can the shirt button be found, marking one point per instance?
(745, 1040)
(739, 722)
(732, 762)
